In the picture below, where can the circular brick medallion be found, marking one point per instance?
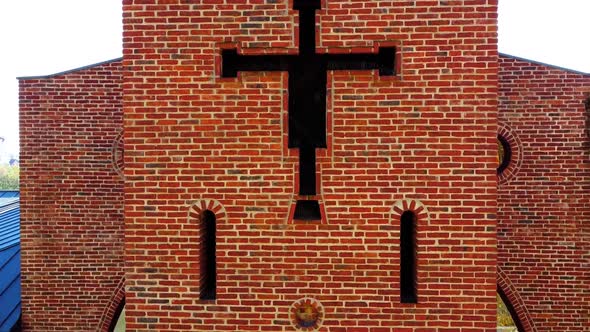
(117, 154)
(509, 153)
(504, 154)
(307, 314)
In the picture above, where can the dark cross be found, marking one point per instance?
(308, 75)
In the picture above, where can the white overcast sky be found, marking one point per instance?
(41, 37)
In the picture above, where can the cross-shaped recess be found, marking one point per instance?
(308, 75)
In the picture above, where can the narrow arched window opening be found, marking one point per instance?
(408, 293)
(208, 280)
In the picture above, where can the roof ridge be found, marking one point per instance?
(543, 64)
(9, 207)
(69, 70)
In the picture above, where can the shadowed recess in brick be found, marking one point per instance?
(408, 258)
(504, 154)
(208, 256)
(307, 90)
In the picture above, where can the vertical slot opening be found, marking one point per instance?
(208, 285)
(408, 250)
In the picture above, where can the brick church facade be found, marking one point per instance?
(306, 165)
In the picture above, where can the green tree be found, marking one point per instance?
(9, 177)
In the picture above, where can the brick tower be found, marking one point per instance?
(338, 157)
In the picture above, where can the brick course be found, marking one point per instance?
(544, 209)
(71, 197)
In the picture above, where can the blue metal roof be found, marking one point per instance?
(10, 301)
(9, 223)
(9, 193)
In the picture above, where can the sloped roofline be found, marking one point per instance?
(121, 58)
(543, 64)
(70, 70)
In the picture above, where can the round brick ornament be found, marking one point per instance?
(509, 153)
(117, 154)
(307, 314)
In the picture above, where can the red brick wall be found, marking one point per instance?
(71, 197)
(544, 208)
(196, 141)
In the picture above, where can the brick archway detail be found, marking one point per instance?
(413, 205)
(117, 154)
(515, 144)
(197, 208)
(509, 293)
(112, 308)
